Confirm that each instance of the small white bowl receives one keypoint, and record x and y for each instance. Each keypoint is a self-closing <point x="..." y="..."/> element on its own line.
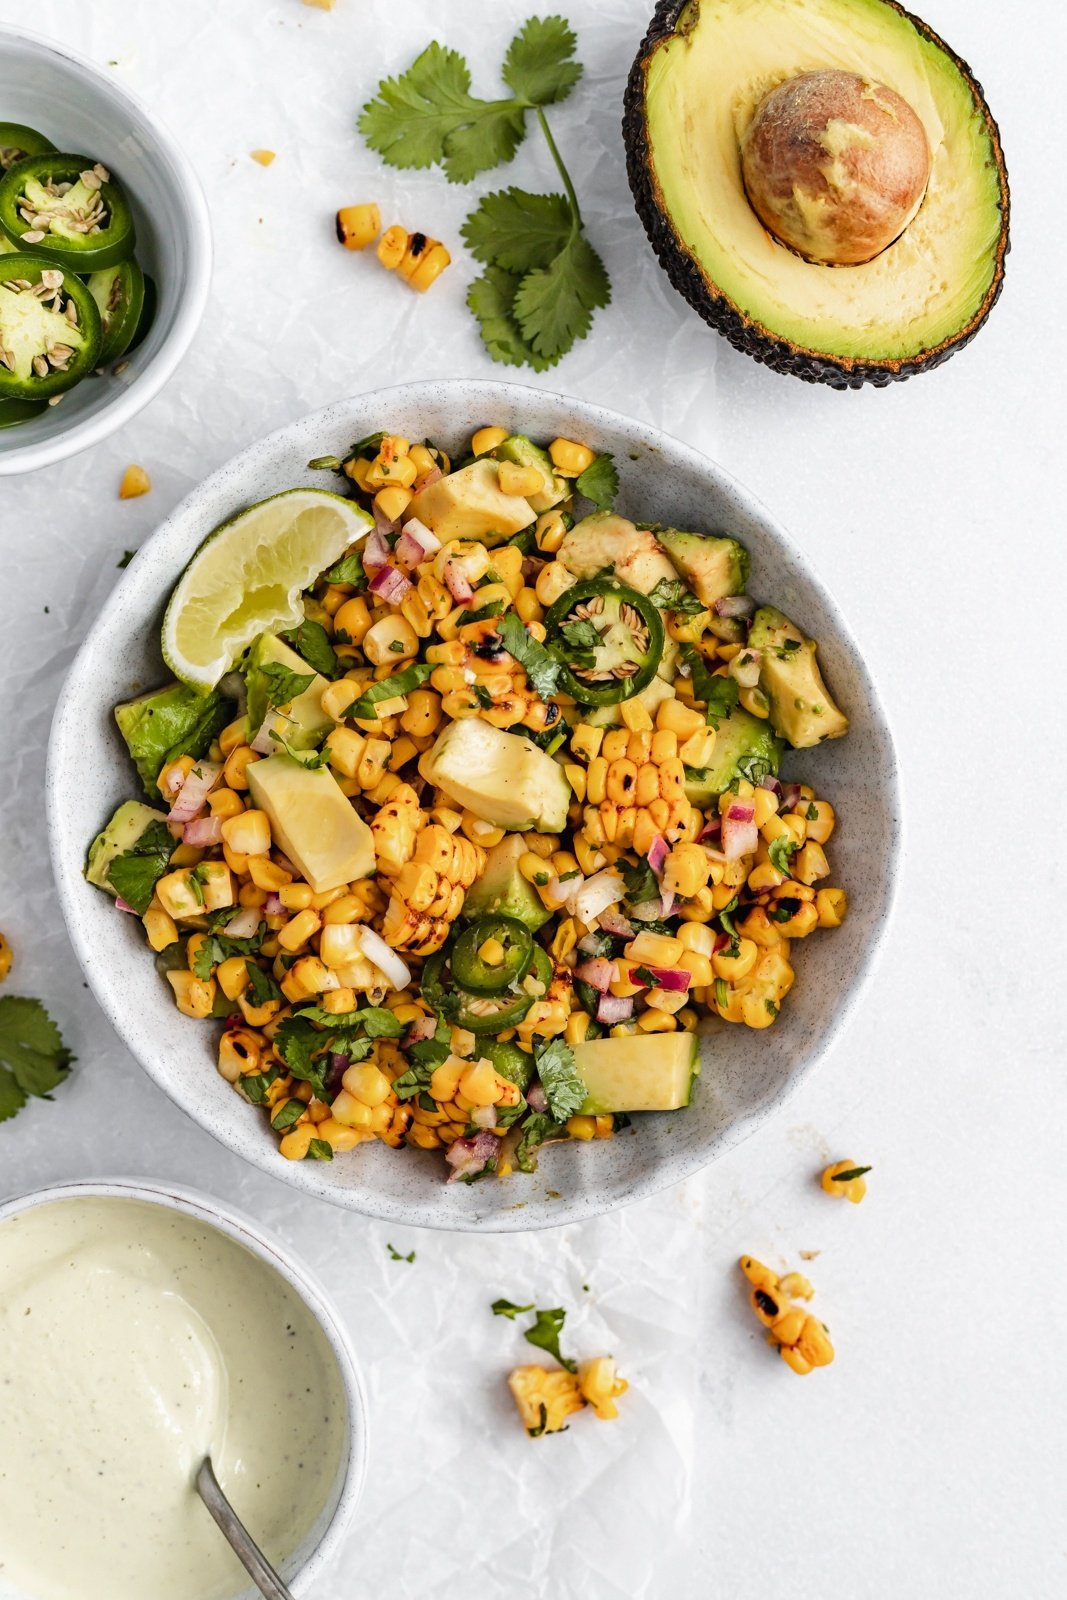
<point x="85" y="109"/>
<point x="746" y="1076"/>
<point x="320" y="1545"/>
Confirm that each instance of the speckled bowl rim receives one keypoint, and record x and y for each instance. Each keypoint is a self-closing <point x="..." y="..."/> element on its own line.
<point x="121" y="406"/>
<point x="240" y="1228"/>
<point x="569" y="1207"/>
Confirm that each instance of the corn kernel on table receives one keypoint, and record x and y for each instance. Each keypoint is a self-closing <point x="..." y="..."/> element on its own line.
<point x="930" y="1458"/>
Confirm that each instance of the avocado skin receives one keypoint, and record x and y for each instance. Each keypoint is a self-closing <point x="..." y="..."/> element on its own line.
<point x="746" y="335"/>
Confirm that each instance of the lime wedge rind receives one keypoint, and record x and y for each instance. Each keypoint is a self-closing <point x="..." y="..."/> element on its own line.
<point x="247" y="577"/>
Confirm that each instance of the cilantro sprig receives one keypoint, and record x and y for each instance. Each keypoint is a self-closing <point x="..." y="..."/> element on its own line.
<point x="543" y="280"/>
<point x="33" y="1058"/>
<point x="133" y="874"/>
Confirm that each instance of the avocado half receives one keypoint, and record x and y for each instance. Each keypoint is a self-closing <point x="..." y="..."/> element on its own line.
<point x="919" y="301"/>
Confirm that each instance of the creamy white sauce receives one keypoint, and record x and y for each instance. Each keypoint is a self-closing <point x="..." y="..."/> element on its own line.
<point x="134" y="1340"/>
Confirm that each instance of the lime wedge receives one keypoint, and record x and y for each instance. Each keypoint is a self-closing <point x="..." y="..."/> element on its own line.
<point x="247" y="577"/>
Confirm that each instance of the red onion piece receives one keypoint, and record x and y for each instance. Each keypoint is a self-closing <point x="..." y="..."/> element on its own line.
<point x="425" y="1028"/>
<point x="459" y="585"/>
<point x="192" y="796"/>
<point x="429" y="477"/>
<point x="614" y="1008"/>
<point x="710" y="830"/>
<point x="124" y="905"/>
<point x="383" y="524"/>
<point x="422" y="535"/>
<point x="409" y="552"/>
<point x="674" y="978"/>
<point x="375" y="552"/>
<point x="667" y="902"/>
<point x="536" y="1099"/>
<point x="203" y="832"/>
<point x="471" y="1155"/>
<point x="599" y="973"/>
<point x="273" y="906"/>
<point x="738" y="838"/>
<point x="771" y="783"/>
<point x="264" y="743"/>
<point x="741" y="811"/>
<point x="484" y="1116"/>
<point x="614" y="922"/>
<point x="658" y="852"/>
<point x="790" y="796"/>
<point x="390" y="584"/>
<point x="735" y="605"/>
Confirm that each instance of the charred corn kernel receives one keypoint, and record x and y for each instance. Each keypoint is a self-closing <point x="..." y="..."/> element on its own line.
<point x="831" y="905"/>
<point x="295" y="896"/>
<point x="353" y="619"/>
<point x="577" y="1027"/>
<point x="766" y="1301"/>
<point x="698" y="967"/>
<point x="545" y="1398"/>
<point x="758" y="1275"/>
<point x="232" y="976"/>
<point x="686" y="870"/>
<point x="596" y="780"/>
<point x="814" y="1343"/>
<point x="535" y="868"/>
<point x="302" y="928"/>
<point x="835" y="1181"/>
<point x="765" y="803"/>
<point x="514" y="479"/>
<point x="391" y="247"/>
<point x="479" y="1084"/>
<point x="392" y="642"/>
<point x="809" y="864"/>
<point x="656" y="1021"/>
<point x="673" y="717"/>
<point x="367" y="1083"/>
<point x="237" y="763"/>
<point x="193" y="996"/>
<point x="804" y="920"/>
<point x="621" y="781"/>
<point x="223" y="803"/>
<point x="734" y="967"/>
<point x="581" y="1127"/>
<point x="787" y="1328"/>
<point x="358" y="226"/>
<point x="240" y="1052"/>
<point x="666" y="1000"/>
<point x="570" y="458"/>
<point x="821" y="825"/>
<point x="393" y="501"/>
<point x="552" y="581"/>
<point x="158" y="925"/>
<point x="135" y="482"/>
<point x="487" y="439"/>
<point x="793" y="1358"/>
<point x="429" y="268"/>
<point x="655" y="949"/>
<point x="248" y="833"/>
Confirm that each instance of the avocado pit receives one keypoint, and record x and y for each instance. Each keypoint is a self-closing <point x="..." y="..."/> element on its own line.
<point x="835" y="166"/>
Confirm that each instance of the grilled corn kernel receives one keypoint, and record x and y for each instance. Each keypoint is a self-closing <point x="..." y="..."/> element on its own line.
<point x="393" y="501"/>
<point x="569" y="458"/>
<point x="391" y="247"/>
<point x="135" y="482"/>
<point x="832" y="907"/>
<point x="298" y="931"/>
<point x="514" y="479"/>
<point x="158" y="925"/>
<point x="358" y="226"/>
<point x="834" y="1181"/>
<point x="391" y="642"/>
<point x="487" y="439"/>
<point x="821" y="825"/>
<point x="193" y="996"/>
<point x="809" y="864"/>
<point x="224" y="803"/>
<point x="552" y="581"/>
<point x="248" y="833"/>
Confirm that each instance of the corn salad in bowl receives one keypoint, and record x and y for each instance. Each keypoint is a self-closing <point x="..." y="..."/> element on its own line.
<point x="463" y="856"/>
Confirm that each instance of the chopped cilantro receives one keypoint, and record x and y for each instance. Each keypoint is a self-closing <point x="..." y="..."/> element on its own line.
<point x="312" y="644"/>
<point x="349" y="569"/>
<point x="508" y="1308"/>
<point x="134" y="873"/>
<point x="545" y="1335"/>
<point x="396" y="1256"/>
<point x="671" y="594"/>
<point x="540" y="667"/>
<point x="847" y="1177"/>
<point x="535" y="1131"/>
<point x="33" y="1058"/>
<point x="564" y="1089"/>
<point x="288" y="1112"/>
<point x="319" y="1150"/>
<point x="812" y="813"/>
<point x="599" y="482"/>
<point x="779" y="850"/>
<point x="719" y="693"/>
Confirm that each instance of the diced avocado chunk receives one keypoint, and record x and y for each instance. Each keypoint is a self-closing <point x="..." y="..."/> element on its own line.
<point x="121" y="834"/>
<point x="607" y="540"/>
<point x="470" y="504"/>
<point x="166" y="723"/>
<point x="313" y="821"/>
<point x="745" y="747"/>
<point x="501" y="777"/>
<point x="712" y="565"/>
<point x="305" y="723"/>
<point x="501" y="888"/>
<point x="802" y="709"/>
<point x="524" y="453"/>
<point x="644" y="1072"/>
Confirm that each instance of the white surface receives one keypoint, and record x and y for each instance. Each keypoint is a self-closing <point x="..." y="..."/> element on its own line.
<point x="930" y="1459"/>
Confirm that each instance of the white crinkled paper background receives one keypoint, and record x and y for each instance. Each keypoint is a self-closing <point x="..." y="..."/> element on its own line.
<point x="930" y="1459"/>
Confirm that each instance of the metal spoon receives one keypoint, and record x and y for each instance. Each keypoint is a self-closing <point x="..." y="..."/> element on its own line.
<point x="243" y="1545"/>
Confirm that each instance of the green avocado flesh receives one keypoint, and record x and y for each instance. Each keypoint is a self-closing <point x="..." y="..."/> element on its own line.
<point x="166" y="723"/>
<point x="313" y="821"/>
<point x="702" y="82"/>
<point x="802" y="708"/>
<point x="713" y="566"/>
<point x="503" y="889"/>
<point x="645" y="1072"/>
<point x="745" y="747"/>
<point x="303" y="722"/>
<point x="121" y="834"/>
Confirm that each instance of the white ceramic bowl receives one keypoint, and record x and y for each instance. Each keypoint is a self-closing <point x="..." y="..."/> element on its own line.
<point x="746" y="1075"/>
<point x="84" y="108"/>
<point x="320" y="1545"/>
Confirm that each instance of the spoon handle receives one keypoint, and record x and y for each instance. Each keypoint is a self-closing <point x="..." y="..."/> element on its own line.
<point x="243" y="1545"/>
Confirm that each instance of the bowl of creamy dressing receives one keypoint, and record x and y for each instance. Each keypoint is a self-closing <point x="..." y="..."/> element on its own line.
<point x="141" y="1329"/>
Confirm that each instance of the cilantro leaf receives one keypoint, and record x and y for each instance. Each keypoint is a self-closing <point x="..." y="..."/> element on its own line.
<point x="491" y="299"/>
<point x="564" y="1089"/>
<point x="719" y="694"/>
<point x="283" y="686"/>
<point x="33" y="1057"/>
<point x="599" y="482"/>
<point x="754" y="768"/>
<point x="538" y="65"/>
<point x="554" y="305"/>
<point x="580" y="635"/>
<point x="319" y="1150"/>
<point x="400" y="683"/>
<point x="218" y="947"/>
<point x="134" y="873"/>
<point x="508" y="1308"/>
<point x="537" y="1128"/>
<point x="671" y="594"/>
<point x="518" y="231"/>
<point x="640" y="882"/>
<point x="349" y="569"/>
<point x="545" y="1335"/>
<point x="300" y="1045"/>
<point x="254" y="1085"/>
<point x="396" y="1256"/>
<point x="483" y="614"/>
<point x="722" y="993"/>
<point x="542" y="671"/>
<point x="425" y="1056"/>
<point x="312" y="643"/>
<point x="428" y="115"/>
<point x="288" y="1112"/>
<point x="261" y="986"/>
<point x="779" y="850"/>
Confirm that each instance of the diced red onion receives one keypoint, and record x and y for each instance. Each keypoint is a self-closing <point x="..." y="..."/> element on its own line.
<point x="614" y="1008"/>
<point x="124" y="905"/>
<point x="273" y="906"/>
<point x="459" y="585"/>
<point x="536" y="1099"/>
<point x="721" y="941"/>
<point x="264" y="743"/>
<point x="383" y="524"/>
<point x="425" y="1028"/>
<point x="745" y="668"/>
<point x="741" y="811"/>
<point x="192" y="796"/>
<point x="735" y="605"/>
<point x="430" y="477"/>
<point x="374" y="947"/>
<point x="471" y="1155"/>
<point x="599" y="973"/>
<point x="673" y="978"/>
<point x="390" y="584"/>
<point x="422" y="535"/>
<point x="244" y="924"/>
<point x="339" y="1065"/>
<point x="615" y="923"/>
<point x="710" y="830"/>
<point x="203" y="832"/>
<point x="409" y="552"/>
<point x="739" y="838"/>
<point x="790" y="796"/>
<point x="375" y="552"/>
<point x="667" y="901"/>
<point x="590" y="897"/>
<point x="658" y="851"/>
<point x="714" y="855"/>
<point x="484" y="1116"/>
<point x="770" y="782"/>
